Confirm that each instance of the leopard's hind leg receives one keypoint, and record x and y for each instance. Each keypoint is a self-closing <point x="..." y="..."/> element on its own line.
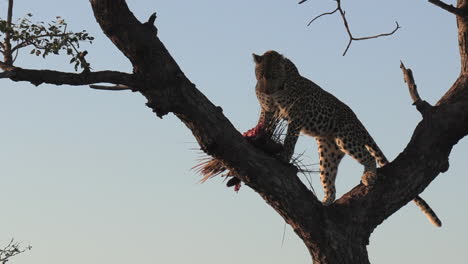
<point x="330" y="156"/>
<point x="350" y="144"/>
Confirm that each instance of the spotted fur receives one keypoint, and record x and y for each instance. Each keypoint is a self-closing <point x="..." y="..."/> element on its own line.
<point x="284" y="94"/>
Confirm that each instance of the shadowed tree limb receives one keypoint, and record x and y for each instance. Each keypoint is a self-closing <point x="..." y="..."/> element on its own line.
<point x="321" y="15"/>
<point x="38" y="77"/>
<point x="449" y="8"/>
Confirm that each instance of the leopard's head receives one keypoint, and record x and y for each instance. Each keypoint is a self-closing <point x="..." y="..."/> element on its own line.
<point x="269" y="71"/>
<point x="272" y="70"/>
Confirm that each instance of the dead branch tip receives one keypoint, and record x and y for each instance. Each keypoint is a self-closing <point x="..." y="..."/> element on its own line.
<point x="152" y="18"/>
<point x="422" y="106"/>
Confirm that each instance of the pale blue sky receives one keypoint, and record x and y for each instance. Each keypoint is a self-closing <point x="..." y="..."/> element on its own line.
<point x="95" y="177"/>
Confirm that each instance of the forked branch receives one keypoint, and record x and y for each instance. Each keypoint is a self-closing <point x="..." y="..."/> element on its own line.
<point x="346" y="24"/>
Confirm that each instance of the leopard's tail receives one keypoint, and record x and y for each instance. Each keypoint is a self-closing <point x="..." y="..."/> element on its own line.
<point x="423" y="206"/>
<point x="427" y="210"/>
<point x="375" y="151"/>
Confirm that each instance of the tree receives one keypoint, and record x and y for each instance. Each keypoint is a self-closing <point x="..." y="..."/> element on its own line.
<point x="337" y="234"/>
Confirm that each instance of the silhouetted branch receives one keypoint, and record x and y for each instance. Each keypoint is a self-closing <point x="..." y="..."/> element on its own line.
<point x="38" y="77"/>
<point x="422" y="106"/>
<point x="449" y="8"/>
<point x="348" y="30"/>
<point x="321" y="15"/>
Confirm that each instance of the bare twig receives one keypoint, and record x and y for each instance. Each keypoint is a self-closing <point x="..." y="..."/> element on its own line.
<point x="348" y="30"/>
<point x="321" y="15"/>
<point x="449" y="8"/>
<point x="409" y="80"/>
<point x="16" y="55"/>
<point x="380" y="35"/>
<point x="83" y="62"/>
<point x="421" y="105"/>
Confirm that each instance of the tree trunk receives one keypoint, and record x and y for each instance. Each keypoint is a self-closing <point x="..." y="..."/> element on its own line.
<point x="339" y="248"/>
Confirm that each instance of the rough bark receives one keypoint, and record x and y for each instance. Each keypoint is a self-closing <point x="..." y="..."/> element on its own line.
<point x="335" y="234"/>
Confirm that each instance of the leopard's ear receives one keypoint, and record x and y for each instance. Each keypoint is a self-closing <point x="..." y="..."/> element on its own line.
<point x="257" y="58"/>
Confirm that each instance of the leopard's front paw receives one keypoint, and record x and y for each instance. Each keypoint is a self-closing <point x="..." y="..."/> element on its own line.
<point x="327" y="200"/>
<point x="369" y="178"/>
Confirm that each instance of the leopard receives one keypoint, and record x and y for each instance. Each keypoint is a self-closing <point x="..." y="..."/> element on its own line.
<point x="284" y="94"/>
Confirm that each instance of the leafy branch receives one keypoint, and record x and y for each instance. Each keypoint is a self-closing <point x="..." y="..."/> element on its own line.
<point x="12" y="249"/>
<point x="45" y="39"/>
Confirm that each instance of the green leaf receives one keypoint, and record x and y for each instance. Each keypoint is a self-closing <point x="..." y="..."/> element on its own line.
<point x="48" y="38"/>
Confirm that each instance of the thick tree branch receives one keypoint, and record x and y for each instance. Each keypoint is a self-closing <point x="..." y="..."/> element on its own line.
<point x="459" y="91"/>
<point x="449" y="8"/>
<point x="38" y="77"/>
<point x="411" y="172"/>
